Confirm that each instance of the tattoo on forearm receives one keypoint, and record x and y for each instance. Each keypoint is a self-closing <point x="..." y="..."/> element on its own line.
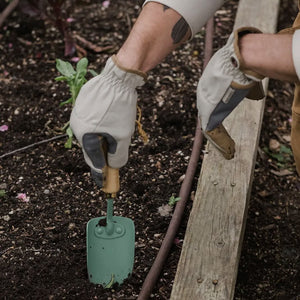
<point x="179" y="30"/>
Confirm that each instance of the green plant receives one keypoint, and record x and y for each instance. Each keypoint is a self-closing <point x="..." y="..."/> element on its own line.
<point x="110" y="284"/>
<point x="75" y="79"/>
<point x="2" y="193"/>
<point x="173" y="200"/>
<point x="282" y="156"/>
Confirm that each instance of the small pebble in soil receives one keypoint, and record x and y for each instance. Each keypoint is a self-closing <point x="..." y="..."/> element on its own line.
<point x="71" y="226"/>
<point x="193" y="195"/>
<point x="274" y="145"/>
<point x="6" y="218"/>
<point x="181" y="178"/>
<point x="3" y="186"/>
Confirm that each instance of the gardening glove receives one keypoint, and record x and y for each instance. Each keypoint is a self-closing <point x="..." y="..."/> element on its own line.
<point x="224" y="83"/>
<point x="106" y="107"/>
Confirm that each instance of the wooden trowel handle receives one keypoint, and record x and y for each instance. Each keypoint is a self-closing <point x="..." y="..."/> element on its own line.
<point x="111" y="182"/>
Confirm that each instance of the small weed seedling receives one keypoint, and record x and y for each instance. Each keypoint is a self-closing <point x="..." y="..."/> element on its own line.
<point x="173" y="200"/>
<point x="166" y="209"/>
<point x="75" y="80"/>
<point x="282" y="157"/>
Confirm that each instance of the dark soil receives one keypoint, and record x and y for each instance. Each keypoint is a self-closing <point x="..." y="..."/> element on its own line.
<point x="43" y="253"/>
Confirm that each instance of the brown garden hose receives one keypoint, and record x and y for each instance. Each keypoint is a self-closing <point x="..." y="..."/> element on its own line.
<point x="184" y="193"/>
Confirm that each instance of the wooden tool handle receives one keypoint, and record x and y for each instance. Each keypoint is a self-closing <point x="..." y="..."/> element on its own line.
<point x="111" y="182"/>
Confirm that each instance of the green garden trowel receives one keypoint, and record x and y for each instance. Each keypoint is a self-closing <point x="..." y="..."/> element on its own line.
<point x="110" y="240"/>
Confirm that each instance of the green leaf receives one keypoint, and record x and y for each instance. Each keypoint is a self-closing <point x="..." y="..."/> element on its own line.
<point x="2" y="193"/>
<point x="284" y="149"/>
<point x="61" y="78"/>
<point x="76" y="87"/>
<point x="80" y="75"/>
<point x="65" y="68"/>
<point x="74" y="92"/>
<point x="79" y="83"/>
<point x="279" y="157"/>
<point x="69" y="132"/>
<point x="68" y="143"/>
<point x="280" y="165"/>
<point x="112" y="280"/>
<point x="173" y="200"/>
<point x="66" y="102"/>
<point x="65" y="126"/>
<point x="94" y="73"/>
<point x="283" y="156"/>
<point x="81" y="66"/>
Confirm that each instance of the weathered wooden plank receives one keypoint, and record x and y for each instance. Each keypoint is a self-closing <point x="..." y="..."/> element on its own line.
<point x="211" y="250"/>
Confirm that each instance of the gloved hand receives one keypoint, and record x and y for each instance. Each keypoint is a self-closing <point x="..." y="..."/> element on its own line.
<point x="224" y="83"/>
<point x="106" y="106"/>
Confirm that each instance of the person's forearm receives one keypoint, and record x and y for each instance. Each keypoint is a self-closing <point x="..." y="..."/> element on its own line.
<point x="269" y="55"/>
<point x="157" y="31"/>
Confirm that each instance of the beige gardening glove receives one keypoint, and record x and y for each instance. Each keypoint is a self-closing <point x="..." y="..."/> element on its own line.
<point x="223" y="85"/>
<point x="106" y="106"/>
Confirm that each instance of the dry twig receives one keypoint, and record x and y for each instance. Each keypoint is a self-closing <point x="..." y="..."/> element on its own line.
<point x="92" y="46"/>
<point x="33" y="145"/>
<point x="8" y="10"/>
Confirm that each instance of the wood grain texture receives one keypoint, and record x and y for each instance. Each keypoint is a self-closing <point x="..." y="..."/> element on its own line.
<point x="211" y="250"/>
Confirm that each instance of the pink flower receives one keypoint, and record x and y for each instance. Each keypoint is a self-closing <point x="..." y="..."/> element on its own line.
<point x="23" y="197"/>
<point x="75" y="59"/>
<point x="3" y="128"/>
<point x="69" y="20"/>
<point x="106" y="3"/>
<point x="177" y="241"/>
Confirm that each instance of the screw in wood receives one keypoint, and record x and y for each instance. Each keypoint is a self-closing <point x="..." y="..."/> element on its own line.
<point x="215" y="282"/>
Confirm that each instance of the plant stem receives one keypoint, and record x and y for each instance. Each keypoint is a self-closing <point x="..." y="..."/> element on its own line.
<point x="33" y="145"/>
<point x="8" y="10"/>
